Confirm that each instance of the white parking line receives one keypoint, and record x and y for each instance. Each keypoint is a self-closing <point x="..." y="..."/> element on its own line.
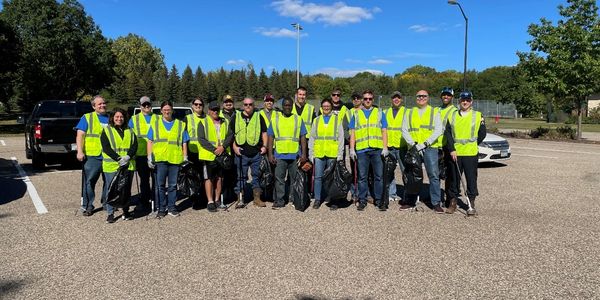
<point x="2" y="142"/>
<point x="555" y="150"/>
<point x="35" y="198"/>
<point x="538" y="156"/>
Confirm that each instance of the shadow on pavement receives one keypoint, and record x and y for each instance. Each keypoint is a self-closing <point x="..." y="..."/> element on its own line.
<point x="8" y="287"/>
<point x="311" y="297"/>
<point x="13" y="188"/>
<point x="493" y="164"/>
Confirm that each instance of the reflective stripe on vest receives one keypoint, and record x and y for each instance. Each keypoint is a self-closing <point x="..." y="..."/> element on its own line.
<point x="166" y="146"/>
<point x="288" y="142"/>
<point x="265" y="117"/>
<point x="307" y="116"/>
<point x="394" y="127"/>
<point x="464" y="132"/>
<point x="120" y="146"/>
<point x="419" y="130"/>
<point x="192" y="129"/>
<point x="368" y="132"/>
<point x="210" y="133"/>
<point x="92" y="145"/>
<point x="444" y="115"/>
<point x="326" y="137"/>
<point x="141" y="127"/>
<point x="247" y="132"/>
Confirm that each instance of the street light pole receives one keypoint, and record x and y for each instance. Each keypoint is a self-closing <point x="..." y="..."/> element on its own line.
<point x="454" y="2"/>
<point x="298" y="28"/>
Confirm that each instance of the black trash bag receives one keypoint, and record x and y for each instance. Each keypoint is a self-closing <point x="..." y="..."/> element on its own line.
<point x="389" y="167"/>
<point x="189" y="181"/>
<point x="266" y="177"/>
<point x="118" y="189"/>
<point x="299" y="189"/>
<point x="441" y="165"/>
<point x="336" y="181"/>
<point x="413" y="171"/>
<point x="225" y="161"/>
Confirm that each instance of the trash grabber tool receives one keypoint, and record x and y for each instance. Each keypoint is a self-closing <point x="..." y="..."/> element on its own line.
<point x="464" y="187"/>
<point x="83" y="189"/>
<point x="240" y="201"/>
<point x="355" y="198"/>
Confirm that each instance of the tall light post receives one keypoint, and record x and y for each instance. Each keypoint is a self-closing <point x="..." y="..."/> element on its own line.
<point x="454" y="2"/>
<point x="298" y="28"/>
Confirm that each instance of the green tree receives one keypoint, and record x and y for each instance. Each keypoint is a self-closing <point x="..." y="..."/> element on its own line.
<point x="200" y="88"/>
<point x="221" y="83"/>
<point x="263" y="83"/>
<point x="173" y="84"/>
<point x="565" y="58"/>
<point x="136" y="62"/>
<point x="63" y="55"/>
<point x="252" y="88"/>
<point x="161" y="83"/>
<point x="186" y="86"/>
<point x="9" y="51"/>
<point x="237" y="84"/>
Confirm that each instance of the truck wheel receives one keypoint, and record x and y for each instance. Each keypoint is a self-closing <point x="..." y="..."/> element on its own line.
<point x="37" y="160"/>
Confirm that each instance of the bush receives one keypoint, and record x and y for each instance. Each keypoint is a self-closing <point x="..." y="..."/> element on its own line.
<point x="560" y="133"/>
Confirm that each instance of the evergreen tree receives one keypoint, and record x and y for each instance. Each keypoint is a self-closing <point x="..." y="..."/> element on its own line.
<point x="200" y="88"/>
<point x="252" y="88"/>
<point x="161" y="82"/>
<point x="263" y="83"/>
<point x="173" y="84"/>
<point x="186" y="86"/>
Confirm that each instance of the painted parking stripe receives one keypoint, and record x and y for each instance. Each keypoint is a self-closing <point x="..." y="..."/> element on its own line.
<point x="2" y="142"/>
<point x="537" y="156"/>
<point x="556" y="150"/>
<point x="33" y="194"/>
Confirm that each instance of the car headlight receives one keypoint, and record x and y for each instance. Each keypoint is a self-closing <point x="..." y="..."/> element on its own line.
<point x="486" y="145"/>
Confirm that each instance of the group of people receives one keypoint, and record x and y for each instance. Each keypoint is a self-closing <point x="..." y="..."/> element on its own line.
<point x="155" y="146"/>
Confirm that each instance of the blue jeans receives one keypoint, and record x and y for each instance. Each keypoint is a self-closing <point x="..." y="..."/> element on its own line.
<point x="366" y="159"/>
<point x="430" y="159"/>
<point x="254" y="164"/>
<point x="398" y="154"/>
<point x="282" y="168"/>
<point x="167" y="173"/>
<point x="109" y="177"/>
<point x="320" y="165"/>
<point x="92" y="169"/>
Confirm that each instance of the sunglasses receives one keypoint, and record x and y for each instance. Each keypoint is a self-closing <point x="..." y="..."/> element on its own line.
<point x="198" y="104"/>
<point x="422" y="96"/>
<point x="147" y="104"/>
<point x="336" y="95"/>
<point x="215" y="109"/>
<point x="248" y="104"/>
<point x="466" y="99"/>
<point x="367" y="99"/>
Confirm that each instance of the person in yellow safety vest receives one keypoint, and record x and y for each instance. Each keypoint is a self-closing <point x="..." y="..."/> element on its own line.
<point x="356" y="105"/>
<point x="228" y="109"/>
<point x="368" y="142"/>
<point x="325" y="146"/>
<point x="167" y="150"/>
<point x="445" y="165"/>
<point x="340" y="110"/>
<point x="267" y="111"/>
<point x="286" y="142"/>
<point x="119" y="148"/>
<point x="249" y="145"/>
<point x="464" y="132"/>
<point x="396" y="143"/>
<point x="140" y="123"/>
<point x="421" y="128"/>
<point x="89" y="151"/>
<point x="215" y="139"/>
<point x="305" y="110"/>
<point x="192" y="120"/>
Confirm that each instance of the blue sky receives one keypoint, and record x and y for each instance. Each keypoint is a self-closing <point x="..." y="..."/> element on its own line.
<point x="339" y="38"/>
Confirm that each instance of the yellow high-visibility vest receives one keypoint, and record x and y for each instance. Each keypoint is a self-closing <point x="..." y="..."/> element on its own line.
<point x="192" y="121"/>
<point x="465" y="128"/>
<point x="307" y="116"/>
<point x="120" y="146"/>
<point x="326" y="138"/>
<point x="444" y="114"/>
<point x="287" y="132"/>
<point x="140" y="127"/>
<point x="368" y="132"/>
<point x="210" y="133"/>
<point x="166" y="145"/>
<point x="247" y="133"/>
<point x="421" y="127"/>
<point x="92" y="145"/>
<point x="394" y="127"/>
<point x="266" y="118"/>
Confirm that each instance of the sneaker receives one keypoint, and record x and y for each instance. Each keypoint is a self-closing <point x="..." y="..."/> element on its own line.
<point x="110" y="219"/>
<point x="174" y="213"/>
<point x="404" y="207"/>
<point x="317" y="204"/>
<point x="211" y="207"/>
<point x="87" y="213"/>
<point x="277" y="205"/>
<point x="382" y="208"/>
<point x="333" y="207"/>
<point x="127" y="216"/>
<point x="240" y="204"/>
<point x="471" y="212"/>
<point x="438" y="209"/>
<point x="361" y="206"/>
<point x="161" y="214"/>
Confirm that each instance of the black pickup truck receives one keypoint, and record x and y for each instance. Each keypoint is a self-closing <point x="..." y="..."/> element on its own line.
<point x="49" y="131"/>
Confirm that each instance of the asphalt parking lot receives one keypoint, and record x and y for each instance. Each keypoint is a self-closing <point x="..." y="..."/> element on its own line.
<point x="537" y="236"/>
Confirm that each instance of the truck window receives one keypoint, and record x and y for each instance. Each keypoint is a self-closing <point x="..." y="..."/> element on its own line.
<point x="63" y="109"/>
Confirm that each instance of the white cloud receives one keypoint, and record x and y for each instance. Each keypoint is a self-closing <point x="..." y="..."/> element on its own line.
<point x="336" y="14"/>
<point x="353" y="61"/>
<point x="278" y="32"/>
<point x="237" y="62"/>
<point x="380" y="61"/>
<point x="335" y="72"/>
<point x="422" y="28"/>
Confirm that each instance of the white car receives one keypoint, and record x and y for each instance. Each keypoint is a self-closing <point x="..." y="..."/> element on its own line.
<point x="494" y="149"/>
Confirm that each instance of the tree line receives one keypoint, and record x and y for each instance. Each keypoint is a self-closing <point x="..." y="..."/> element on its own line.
<point x="54" y="50"/>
